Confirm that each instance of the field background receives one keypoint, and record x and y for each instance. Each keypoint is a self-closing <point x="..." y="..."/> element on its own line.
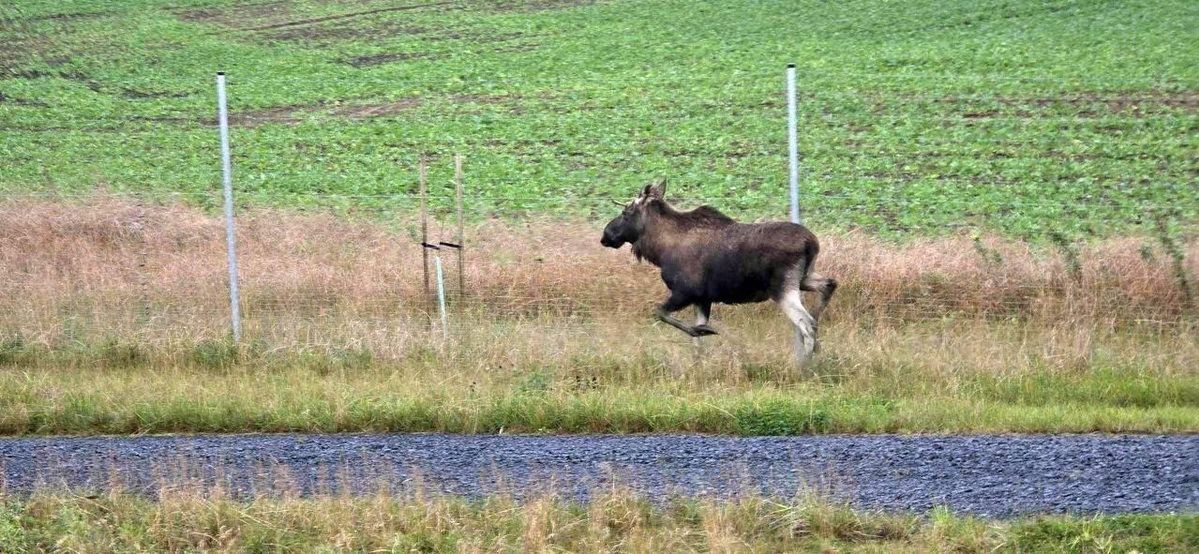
<point x="1069" y="117"/>
<point x="1006" y="190"/>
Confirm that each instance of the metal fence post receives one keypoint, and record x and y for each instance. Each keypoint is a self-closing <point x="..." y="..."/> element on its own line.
<point x="227" y="179"/>
<point x="793" y="167"/>
<point x="793" y="143"/>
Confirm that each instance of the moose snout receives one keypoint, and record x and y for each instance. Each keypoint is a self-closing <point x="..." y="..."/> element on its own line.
<point x="613" y="236"/>
<point x="611" y="240"/>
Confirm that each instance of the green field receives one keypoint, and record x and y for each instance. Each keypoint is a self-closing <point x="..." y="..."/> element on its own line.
<point x="1030" y="117"/>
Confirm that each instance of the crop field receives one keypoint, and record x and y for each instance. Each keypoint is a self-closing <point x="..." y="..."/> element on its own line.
<point x="1007" y="192"/>
<point x="925" y="117"/>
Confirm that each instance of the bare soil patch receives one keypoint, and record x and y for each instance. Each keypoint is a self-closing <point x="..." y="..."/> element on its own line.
<point x="328" y="33"/>
<point x="480" y="36"/>
<point x="484" y="98"/>
<point x="278" y="114"/>
<point x="517" y="48"/>
<point x="526" y="6"/>
<point x="68" y="16"/>
<point x="369" y="111"/>
<point x="289" y="115"/>
<point x="473" y="37"/>
<point x="18" y="101"/>
<point x="73" y="75"/>
<point x="20" y="51"/>
<point x="240" y="15"/>
<point x="1087" y="104"/>
<point x="295" y="113"/>
<point x="342" y="16"/>
<point x="1128" y="103"/>
<point x="138" y="94"/>
<point x="390" y="57"/>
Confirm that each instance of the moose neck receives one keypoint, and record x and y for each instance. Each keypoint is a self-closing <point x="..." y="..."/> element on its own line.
<point x="662" y="229"/>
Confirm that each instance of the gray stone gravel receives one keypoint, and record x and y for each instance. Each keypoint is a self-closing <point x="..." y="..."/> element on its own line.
<point x="992" y="476"/>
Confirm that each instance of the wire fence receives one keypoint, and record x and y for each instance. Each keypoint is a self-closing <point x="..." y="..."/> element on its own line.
<point x="87" y="269"/>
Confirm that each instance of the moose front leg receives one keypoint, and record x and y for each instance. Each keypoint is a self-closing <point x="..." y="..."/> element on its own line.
<point x="671" y="305"/>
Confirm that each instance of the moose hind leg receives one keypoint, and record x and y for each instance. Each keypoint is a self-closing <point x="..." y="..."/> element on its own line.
<point x="824" y="286"/>
<point x="703" y="310"/>
<point x="674" y="304"/>
<point x="791" y="302"/>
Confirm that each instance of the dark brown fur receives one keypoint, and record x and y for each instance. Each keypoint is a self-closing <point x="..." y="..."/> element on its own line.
<point x="706" y="257"/>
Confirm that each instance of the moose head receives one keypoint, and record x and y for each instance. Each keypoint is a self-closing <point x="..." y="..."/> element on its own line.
<point x="630" y="224"/>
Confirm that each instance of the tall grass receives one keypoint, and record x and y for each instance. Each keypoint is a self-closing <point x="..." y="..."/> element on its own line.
<point x="117" y="322"/>
<point x="109" y="258"/>
<point x="207" y="520"/>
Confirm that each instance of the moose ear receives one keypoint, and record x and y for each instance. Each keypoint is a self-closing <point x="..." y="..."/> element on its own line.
<point x="657" y="190"/>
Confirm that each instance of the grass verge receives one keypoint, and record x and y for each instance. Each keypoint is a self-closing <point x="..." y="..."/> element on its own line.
<point x="616" y="521"/>
<point x="118" y="388"/>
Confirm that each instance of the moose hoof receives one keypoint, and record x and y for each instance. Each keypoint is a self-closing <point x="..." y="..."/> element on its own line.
<point x="704" y="330"/>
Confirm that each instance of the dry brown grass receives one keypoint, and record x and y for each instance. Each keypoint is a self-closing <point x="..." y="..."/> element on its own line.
<point x="543" y="293"/>
<point x="109" y="267"/>
<point x="115" y="250"/>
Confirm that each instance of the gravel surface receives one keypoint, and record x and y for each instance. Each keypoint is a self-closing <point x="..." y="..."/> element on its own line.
<point x="994" y="476"/>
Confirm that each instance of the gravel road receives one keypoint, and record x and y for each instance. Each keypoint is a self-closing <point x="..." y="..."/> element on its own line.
<point x="993" y="476"/>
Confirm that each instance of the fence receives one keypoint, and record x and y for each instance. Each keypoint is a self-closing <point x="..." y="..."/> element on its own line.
<point x="89" y="268"/>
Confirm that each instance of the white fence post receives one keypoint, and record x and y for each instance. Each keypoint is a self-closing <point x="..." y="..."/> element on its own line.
<point x="793" y="143"/>
<point x="227" y="180"/>
<point x="793" y="163"/>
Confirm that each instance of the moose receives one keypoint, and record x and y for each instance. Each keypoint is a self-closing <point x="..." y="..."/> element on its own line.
<point x="706" y="257"/>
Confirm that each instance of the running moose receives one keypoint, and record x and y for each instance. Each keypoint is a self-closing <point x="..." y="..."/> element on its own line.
<point x="707" y="257"/>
